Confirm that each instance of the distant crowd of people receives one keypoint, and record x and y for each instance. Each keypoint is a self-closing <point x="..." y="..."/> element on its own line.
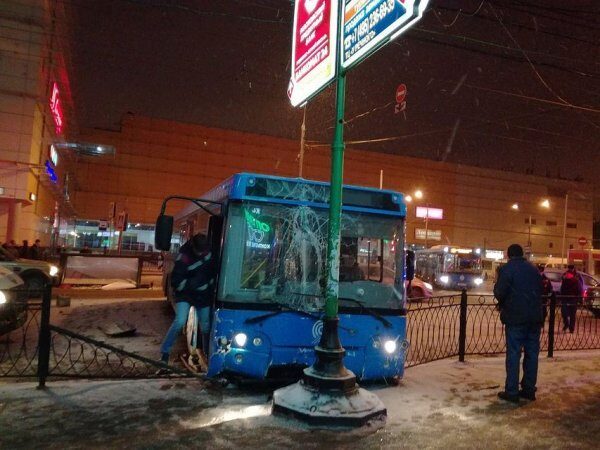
<point x="35" y="251"/>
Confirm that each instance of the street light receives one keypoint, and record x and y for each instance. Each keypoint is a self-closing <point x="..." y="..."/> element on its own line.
<point x="545" y="203"/>
<point x="418" y="194"/>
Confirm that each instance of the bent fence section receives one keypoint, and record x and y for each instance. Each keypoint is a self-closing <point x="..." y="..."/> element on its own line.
<point x="441" y="327"/>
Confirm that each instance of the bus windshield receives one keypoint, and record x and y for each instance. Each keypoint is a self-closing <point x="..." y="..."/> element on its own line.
<point x="462" y="262"/>
<point x="276" y="253"/>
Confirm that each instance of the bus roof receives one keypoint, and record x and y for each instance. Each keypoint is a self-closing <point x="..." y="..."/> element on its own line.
<point x="299" y="191"/>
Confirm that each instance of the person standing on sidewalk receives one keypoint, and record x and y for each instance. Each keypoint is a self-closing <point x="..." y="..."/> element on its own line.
<point x="519" y="294"/>
<point x="571" y="290"/>
<point x="192" y="280"/>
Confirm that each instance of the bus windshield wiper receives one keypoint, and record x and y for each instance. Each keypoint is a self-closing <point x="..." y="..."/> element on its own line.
<point x="282" y="308"/>
<point x="375" y="314"/>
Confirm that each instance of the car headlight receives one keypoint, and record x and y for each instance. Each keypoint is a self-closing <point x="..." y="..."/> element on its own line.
<point x="444" y="279"/>
<point x="428" y="286"/>
<point x="240" y="339"/>
<point x="390" y="346"/>
<point x="53" y="271"/>
<point x="478" y="281"/>
<point x="2" y="298"/>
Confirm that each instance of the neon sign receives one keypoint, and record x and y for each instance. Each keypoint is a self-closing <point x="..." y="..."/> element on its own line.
<point x="56" y="109"/>
<point x="51" y="173"/>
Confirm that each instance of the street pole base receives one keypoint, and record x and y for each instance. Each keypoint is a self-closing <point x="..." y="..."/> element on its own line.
<point x="330" y="407"/>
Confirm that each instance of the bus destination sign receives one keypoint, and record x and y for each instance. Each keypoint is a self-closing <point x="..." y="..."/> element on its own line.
<point x="367" y="25"/>
<point x="314" y="43"/>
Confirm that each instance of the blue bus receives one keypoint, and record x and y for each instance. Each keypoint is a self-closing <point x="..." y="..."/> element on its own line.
<point x="450" y="267"/>
<point x="270" y="234"/>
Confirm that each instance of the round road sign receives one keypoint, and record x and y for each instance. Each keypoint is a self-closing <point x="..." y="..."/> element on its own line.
<point x="400" y="93"/>
<point x="582" y="241"/>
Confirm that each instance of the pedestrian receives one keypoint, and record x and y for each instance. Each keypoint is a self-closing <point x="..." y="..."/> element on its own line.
<point x="24" y="250"/>
<point x="35" y="252"/>
<point x="192" y="280"/>
<point x="571" y="290"/>
<point x="519" y="294"/>
<point x="547" y="291"/>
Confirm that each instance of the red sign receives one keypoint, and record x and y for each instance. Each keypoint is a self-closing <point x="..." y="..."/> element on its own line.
<point x="56" y="109"/>
<point x="582" y="241"/>
<point x="313" y="48"/>
<point x="400" y="93"/>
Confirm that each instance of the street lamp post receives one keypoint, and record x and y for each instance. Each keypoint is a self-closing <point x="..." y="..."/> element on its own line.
<point x="562" y="253"/>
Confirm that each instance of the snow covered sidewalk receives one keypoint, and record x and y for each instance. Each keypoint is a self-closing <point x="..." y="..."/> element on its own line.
<point x="445" y="404"/>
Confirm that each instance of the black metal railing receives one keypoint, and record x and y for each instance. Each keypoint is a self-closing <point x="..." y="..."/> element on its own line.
<point x="469" y="324"/>
<point x="438" y="328"/>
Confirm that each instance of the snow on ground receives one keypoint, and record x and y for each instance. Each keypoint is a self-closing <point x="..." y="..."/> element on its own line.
<point x="444" y="404"/>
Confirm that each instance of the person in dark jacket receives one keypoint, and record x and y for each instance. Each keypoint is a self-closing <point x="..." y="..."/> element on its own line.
<point x="192" y="280"/>
<point x="571" y="290"/>
<point x="547" y="291"/>
<point x="519" y="294"/>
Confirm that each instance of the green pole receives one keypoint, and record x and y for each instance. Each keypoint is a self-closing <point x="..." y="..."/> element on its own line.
<point x="335" y="203"/>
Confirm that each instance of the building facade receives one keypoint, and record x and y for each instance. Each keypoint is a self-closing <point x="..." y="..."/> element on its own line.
<point x="35" y="118"/>
<point x="468" y="206"/>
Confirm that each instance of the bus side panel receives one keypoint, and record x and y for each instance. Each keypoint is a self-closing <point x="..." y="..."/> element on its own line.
<point x="288" y="339"/>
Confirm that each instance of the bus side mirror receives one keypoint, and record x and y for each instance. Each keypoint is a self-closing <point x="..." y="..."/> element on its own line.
<point x="163" y="232"/>
<point x="410" y="265"/>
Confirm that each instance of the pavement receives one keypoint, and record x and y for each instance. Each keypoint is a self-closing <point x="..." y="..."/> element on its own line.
<point x="444" y="404"/>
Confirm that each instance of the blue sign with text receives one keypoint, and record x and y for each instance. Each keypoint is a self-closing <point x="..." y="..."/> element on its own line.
<point x="366" y="25"/>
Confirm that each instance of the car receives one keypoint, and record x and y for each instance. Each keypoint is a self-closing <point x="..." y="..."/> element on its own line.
<point x="592" y="300"/>
<point x="35" y="274"/>
<point x="555" y="277"/>
<point x="13" y="301"/>
<point x="419" y="290"/>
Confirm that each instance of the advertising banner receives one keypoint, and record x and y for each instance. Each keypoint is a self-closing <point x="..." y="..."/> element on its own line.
<point x="432" y="235"/>
<point x="314" y="44"/>
<point x="366" y="25"/>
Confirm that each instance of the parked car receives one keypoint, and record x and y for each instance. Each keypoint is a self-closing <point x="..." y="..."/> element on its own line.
<point x="419" y="290"/>
<point x="555" y="277"/>
<point x="34" y="273"/>
<point x="592" y="300"/>
<point x="13" y="301"/>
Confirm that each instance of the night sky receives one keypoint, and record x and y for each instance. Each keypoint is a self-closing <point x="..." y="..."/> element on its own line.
<point x="505" y="84"/>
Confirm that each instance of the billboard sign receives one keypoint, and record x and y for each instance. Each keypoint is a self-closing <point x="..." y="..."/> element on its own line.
<point x="432" y="235"/>
<point x="314" y="44"/>
<point x="367" y="25"/>
<point x="430" y="213"/>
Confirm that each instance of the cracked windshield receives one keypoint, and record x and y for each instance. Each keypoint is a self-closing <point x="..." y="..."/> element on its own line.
<point x="277" y="254"/>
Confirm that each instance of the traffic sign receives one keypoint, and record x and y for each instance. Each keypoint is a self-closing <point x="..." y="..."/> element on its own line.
<point x="314" y="47"/>
<point x="400" y="93"/>
<point x="367" y="25"/>
<point x="582" y="241"/>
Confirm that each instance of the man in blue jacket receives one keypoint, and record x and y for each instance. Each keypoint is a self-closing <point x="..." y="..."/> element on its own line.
<point x="192" y="280"/>
<point x="519" y="294"/>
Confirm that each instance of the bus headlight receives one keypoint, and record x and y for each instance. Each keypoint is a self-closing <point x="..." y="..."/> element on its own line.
<point x="390" y="346"/>
<point x="444" y="279"/>
<point x="240" y="339"/>
<point x="478" y="281"/>
<point x="2" y="298"/>
<point x="53" y="271"/>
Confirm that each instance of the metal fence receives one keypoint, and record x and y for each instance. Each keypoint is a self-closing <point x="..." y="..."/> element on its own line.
<point x="441" y="327"/>
<point x="461" y="325"/>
